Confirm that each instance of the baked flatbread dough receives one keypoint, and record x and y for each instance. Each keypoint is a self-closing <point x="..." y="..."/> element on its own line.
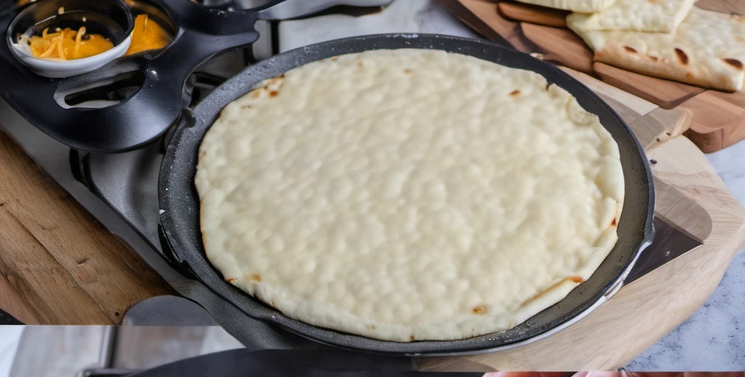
<point x="708" y="49"/>
<point x="583" y="6"/>
<point x="408" y="194"/>
<point x="638" y="15"/>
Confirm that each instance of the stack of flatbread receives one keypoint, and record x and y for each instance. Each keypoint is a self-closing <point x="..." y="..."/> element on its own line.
<point x="669" y="39"/>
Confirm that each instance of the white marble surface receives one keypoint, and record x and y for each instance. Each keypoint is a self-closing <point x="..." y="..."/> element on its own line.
<point x="714" y="337"/>
<point x="10" y="336"/>
<point x="408" y="16"/>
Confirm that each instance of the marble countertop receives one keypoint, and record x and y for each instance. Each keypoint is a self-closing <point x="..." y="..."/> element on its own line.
<point x="713" y="339"/>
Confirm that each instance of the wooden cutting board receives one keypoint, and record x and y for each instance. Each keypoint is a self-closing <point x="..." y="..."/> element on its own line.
<point x="58" y="265"/>
<point x="718" y="118"/>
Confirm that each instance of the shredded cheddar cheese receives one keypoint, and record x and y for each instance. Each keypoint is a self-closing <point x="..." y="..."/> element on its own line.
<point x="71" y="44"/>
<point x="68" y="44"/>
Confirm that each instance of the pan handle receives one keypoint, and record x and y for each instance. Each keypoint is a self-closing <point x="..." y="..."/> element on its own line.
<point x="289" y="9"/>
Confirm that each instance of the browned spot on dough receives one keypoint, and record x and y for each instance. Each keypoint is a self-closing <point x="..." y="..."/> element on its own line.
<point x="630" y="49"/>
<point x="371" y="327"/>
<point x="681" y="56"/>
<point x="654" y="58"/>
<point x="255" y="94"/>
<point x="481" y="309"/>
<point x="231" y="280"/>
<point x="550" y="289"/>
<point x="256" y="277"/>
<point x="412" y="338"/>
<point x="407" y="71"/>
<point x="613" y="222"/>
<point x="360" y="64"/>
<point x="733" y="62"/>
<point x="335" y="58"/>
<point x="515" y="93"/>
<point x="272" y="303"/>
<point x="738" y="17"/>
<point x="246" y="107"/>
<point x="273" y="93"/>
<point x="690" y="75"/>
<point x="202" y="154"/>
<point x="576" y="279"/>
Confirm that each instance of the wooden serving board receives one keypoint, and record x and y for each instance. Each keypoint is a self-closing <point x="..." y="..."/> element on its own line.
<point x="718" y="117"/>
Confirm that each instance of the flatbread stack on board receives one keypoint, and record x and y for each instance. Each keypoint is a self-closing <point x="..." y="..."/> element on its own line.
<point x="635" y="15"/>
<point x="669" y="39"/>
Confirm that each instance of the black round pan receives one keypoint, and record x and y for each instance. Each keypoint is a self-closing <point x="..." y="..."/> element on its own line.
<point x="179" y="202"/>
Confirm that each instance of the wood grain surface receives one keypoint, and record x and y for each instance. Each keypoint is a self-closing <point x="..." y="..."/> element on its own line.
<point x="495" y="27"/>
<point x="533" y="14"/>
<point x="668" y="94"/>
<point x="58" y="265"/>
<point x="717" y="122"/>
<point x="560" y="46"/>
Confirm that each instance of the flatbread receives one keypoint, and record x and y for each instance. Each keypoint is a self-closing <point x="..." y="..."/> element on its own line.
<point x="408" y="195"/>
<point x="583" y="6"/>
<point x="636" y="15"/>
<point x="708" y="49"/>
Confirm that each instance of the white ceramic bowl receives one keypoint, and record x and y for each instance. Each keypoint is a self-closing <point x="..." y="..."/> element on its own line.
<point x="111" y="16"/>
<point x="56" y="68"/>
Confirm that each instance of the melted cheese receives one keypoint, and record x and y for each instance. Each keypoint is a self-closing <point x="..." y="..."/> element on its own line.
<point x="147" y="35"/>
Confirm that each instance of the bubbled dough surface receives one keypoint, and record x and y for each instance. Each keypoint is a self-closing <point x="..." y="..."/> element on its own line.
<point x="661" y="16"/>
<point x="408" y="195"/>
<point x="584" y="6"/>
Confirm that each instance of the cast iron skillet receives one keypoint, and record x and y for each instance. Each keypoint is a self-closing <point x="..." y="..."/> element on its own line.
<point x="179" y="202"/>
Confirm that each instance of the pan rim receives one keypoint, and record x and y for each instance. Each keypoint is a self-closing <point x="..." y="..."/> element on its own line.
<point x="180" y="159"/>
